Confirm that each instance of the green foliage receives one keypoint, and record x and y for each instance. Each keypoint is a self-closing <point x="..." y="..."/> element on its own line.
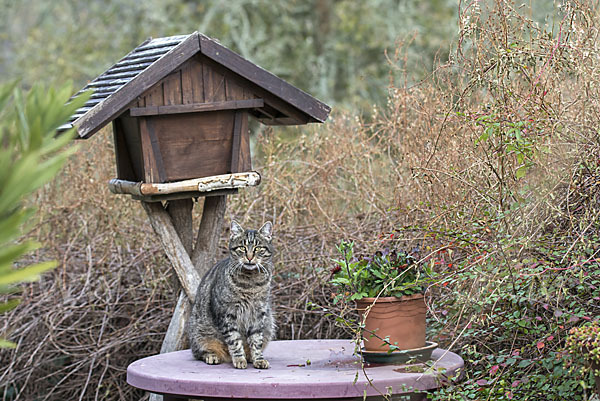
<point x="512" y="326"/>
<point x="335" y="50"/>
<point x="512" y="142"/>
<point x="387" y="273"/>
<point x="583" y="345"/>
<point x="31" y="154"/>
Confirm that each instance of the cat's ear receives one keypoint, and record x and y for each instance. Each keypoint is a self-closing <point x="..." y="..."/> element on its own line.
<point x="236" y="229"/>
<point x="266" y="230"/>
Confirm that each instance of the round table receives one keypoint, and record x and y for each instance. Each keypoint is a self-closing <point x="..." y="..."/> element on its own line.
<point x="300" y="369"/>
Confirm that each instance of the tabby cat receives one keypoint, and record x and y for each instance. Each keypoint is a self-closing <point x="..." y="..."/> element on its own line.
<point x="231" y="319"/>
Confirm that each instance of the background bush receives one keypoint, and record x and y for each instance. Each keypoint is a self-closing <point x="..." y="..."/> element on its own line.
<point x="488" y="167"/>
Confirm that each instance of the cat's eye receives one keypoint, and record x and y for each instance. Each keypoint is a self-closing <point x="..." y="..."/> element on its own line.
<point x="241" y="249"/>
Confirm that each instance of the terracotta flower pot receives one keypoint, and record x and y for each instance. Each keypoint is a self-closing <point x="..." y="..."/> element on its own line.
<point x="400" y="319"/>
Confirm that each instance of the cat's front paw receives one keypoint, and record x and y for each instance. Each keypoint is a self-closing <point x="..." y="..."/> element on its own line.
<point x="240" y="363"/>
<point x="211" y="359"/>
<point x="261" y="364"/>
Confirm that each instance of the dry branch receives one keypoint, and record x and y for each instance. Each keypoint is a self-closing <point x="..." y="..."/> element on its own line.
<point x="205" y="184"/>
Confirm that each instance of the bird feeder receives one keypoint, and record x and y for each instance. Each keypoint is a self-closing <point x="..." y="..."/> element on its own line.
<point x="179" y="108"/>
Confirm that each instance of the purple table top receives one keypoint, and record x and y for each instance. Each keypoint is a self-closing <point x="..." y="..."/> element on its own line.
<point x="332" y="373"/>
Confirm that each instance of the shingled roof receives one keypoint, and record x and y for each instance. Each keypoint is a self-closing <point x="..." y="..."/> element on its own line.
<point x="130" y="77"/>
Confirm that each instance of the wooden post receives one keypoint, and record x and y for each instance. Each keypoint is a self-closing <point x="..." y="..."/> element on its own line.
<point x="205" y="252"/>
<point x="181" y="215"/>
<point x="174" y="229"/>
<point x="173" y="247"/>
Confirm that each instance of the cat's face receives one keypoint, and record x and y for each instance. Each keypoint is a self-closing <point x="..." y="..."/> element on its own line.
<point x="251" y="249"/>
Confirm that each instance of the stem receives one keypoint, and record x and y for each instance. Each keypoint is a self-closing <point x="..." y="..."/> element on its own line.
<point x="347" y="266"/>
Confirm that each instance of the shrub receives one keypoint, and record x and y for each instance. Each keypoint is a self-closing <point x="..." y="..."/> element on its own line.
<point x="30" y="155"/>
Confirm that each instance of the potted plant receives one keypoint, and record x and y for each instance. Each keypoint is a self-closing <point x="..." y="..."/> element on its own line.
<point x="584" y="342"/>
<point x="388" y="288"/>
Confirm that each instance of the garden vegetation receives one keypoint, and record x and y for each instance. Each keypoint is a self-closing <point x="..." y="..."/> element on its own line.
<point x="486" y="170"/>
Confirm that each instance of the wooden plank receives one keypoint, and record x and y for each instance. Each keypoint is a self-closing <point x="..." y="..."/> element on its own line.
<point x="156" y="151"/>
<point x="109" y="82"/>
<point x="154" y="96"/>
<point x="161" y="42"/>
<point x="93" y="102"/>
<point x="92" y="121"/>
<point x="107" y="90"/>
<point x="173" y="247"/>
<point x="172" y="88"/>
<point x="272" y="102"/>
<point x="158" y="51"/>
<point x="279" y="121"/>
<point x="236" y="141"/>
<point x="137" y="60"/>
<point x="131" y="129"/>
<point x="196" y="107"/>
<point x="120" y="74"/>
<point x="124" y="165"/>
<point x="149" y="162"/>
<point x="133" y="67"/>
<point x="234" y="90"/>
<point x="99" y="95"/>
<point x="214" y="84"/>
<point x="209" y="232"/>
<point x="195" y="145"/>
<point x="317" y="110"/>
<point x="245" y="158"/>
<point x="192" y="84"/>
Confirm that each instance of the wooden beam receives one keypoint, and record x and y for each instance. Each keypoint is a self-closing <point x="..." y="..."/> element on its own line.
<point x="155" y="146"/>
<point x="236" y="142"/>
<point x="205" y="251"/>
<point x="173" y="247"/>
<point x="181" y="215"/>
<point x="180" y="211"/>
<point x="196" y="107"/>
<point x="184" y="195"/>
<point x="176" y="338"/>
<point x="149" y="145"/>
<point x="204" y="184"/>
<point x="124" y="164"/>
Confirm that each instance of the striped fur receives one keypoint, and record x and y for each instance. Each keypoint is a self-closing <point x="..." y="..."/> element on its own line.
<point x="232" y="319"/>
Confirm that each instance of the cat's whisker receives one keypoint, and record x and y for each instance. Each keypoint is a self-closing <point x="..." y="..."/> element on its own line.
<point x="262" y="268"/>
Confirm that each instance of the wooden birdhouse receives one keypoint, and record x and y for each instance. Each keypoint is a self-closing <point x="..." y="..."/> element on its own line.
<point x="180" y="107"/>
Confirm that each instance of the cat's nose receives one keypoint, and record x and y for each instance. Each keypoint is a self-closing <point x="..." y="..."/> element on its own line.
<point x="249" y="256"/>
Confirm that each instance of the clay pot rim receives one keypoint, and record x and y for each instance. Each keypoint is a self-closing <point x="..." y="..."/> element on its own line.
<point x="390" y="299"/>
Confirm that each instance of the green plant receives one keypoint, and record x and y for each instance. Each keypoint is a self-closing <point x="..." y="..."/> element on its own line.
<point x="31" y="154"/>
<point x="386" y="273"/>
<point x="584" y="342"/>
